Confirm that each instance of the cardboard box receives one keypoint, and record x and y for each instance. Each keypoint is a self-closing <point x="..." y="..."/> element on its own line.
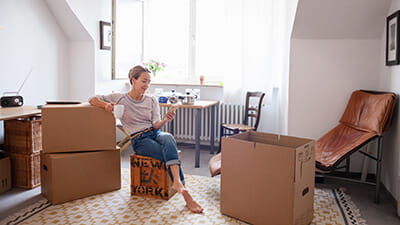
<point x="81" y="127"/>
<point x="268" y="179"/>
<point x="5" y="174"/>
<point x="70" y="176"/>
<point x="149" y="178"/>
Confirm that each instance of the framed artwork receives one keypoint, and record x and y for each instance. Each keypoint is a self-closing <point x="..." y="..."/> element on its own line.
<point x="392" y="39"/>
<point x="105" y="35"/>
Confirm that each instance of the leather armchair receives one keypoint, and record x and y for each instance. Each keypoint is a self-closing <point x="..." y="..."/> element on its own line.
<point x="367" y="115"/>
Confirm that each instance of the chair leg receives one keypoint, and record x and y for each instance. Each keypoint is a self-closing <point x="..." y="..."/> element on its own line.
<point x="348" y="167"/>
<point x="378" y="169"/>
<point x="221" y="134"/>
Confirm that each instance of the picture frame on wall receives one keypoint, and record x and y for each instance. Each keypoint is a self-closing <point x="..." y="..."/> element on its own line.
<point x="392" y="39"/>
<point x="105" y="35"/>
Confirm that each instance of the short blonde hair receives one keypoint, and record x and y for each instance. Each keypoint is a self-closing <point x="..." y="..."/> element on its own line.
<point x="135" y="72"/>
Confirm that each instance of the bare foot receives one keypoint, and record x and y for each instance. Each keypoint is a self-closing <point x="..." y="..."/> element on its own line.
<point x="178" y="186"/>
<point x="191" y="204"/>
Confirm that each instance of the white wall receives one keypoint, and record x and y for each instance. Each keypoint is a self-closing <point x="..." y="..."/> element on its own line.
<point x="90" y="66"/>
<point x="31" y="38"/>
<point x="81" y="50"/>
<point x="82" y="70"/>
<point x="323" y="73"/>
<point x="390" y="80"/>
<point x="90" y="12"/>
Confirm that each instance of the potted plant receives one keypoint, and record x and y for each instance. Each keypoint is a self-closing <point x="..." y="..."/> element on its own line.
<point x="154" y="66"/>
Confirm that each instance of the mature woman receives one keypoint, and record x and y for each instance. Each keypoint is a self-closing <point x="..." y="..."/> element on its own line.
<point x="141" y="118"/>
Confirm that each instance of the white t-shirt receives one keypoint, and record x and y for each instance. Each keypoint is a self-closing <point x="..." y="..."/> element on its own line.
<point x="138" y="115"/>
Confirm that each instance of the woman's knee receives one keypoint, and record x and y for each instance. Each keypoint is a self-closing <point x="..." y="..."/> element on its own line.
<point x="165" y="137"/>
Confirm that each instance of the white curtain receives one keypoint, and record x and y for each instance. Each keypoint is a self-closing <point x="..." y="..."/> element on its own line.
<point x="166" y="36"/>
<point x="244" y="43"/>
<point x="248" y="48"/>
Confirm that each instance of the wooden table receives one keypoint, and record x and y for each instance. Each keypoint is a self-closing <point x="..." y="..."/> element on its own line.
<point x="197" y="107"/>
<point x="9" y="113"/>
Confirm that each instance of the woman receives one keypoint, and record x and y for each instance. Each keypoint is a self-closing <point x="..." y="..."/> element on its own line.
<point x="142" y="116"/>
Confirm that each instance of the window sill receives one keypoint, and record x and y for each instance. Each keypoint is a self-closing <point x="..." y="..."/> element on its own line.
<point x="185" y="84"/>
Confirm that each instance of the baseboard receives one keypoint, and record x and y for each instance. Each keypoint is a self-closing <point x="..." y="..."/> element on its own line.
<point x="202" y="143"/>
<point x="319" y="178"/>
<point x="351" y="175"/>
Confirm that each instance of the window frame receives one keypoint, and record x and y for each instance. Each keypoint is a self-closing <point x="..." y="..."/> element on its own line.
<point x="190" y="77"/>
<point x="113" y="33"/>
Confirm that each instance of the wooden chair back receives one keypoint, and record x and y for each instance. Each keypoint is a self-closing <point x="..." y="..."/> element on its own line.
<point x="253" y="112"/>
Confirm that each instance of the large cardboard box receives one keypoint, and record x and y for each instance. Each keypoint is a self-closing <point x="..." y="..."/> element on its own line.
<point x="70" y="176"/>
<point x="268" y="179"/>
<point x="5" y="174"/>
<point x="69" y="128"/>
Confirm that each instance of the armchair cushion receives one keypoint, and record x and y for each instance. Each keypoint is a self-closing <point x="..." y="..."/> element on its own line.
<point x="214" y="165"/>
<point x="338" y="142"/>
<point x="369" y="112"/>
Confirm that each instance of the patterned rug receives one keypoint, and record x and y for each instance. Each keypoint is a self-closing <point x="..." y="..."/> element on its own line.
<point x="119" y="207"/>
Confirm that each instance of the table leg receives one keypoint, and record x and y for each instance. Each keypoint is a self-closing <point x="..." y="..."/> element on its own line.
<point x="171" y="128"/>
<point x="197" y="130"/>
<point x="212" y="129"/>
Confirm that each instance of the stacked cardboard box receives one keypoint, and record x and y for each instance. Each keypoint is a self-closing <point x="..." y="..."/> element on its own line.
<point x="268" y="178"/>
<point x="23" y="143"/>
<point x="79" y="156"/>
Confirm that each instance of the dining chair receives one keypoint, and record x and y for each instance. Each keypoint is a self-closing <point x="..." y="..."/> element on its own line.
<point x="251" y="118"/>
<point x="251" y="121"/>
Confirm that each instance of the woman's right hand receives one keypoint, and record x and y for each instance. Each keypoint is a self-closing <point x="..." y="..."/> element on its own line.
<point x="109" y="107"/>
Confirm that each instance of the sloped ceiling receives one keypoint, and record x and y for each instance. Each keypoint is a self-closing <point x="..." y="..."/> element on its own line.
<point x="340" y="19"/>
<point x="68" y="21"/>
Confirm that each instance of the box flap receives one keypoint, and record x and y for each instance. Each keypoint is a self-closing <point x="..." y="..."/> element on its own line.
<point x="272" y="139"/>
<point x="60" y="106"/>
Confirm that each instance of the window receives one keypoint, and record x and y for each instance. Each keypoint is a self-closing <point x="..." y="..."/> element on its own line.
<point x="128" y="30"/>
<point x="227" y="41"/>
<point x="152" y="29"/>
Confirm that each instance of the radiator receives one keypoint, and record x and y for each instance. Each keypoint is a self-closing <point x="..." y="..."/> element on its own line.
<point x="184" y="121"/>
